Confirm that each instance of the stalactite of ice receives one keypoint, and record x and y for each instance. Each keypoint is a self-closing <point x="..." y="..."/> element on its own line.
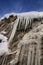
<point x="27" y="23"/>
<point x="22" y="22"/>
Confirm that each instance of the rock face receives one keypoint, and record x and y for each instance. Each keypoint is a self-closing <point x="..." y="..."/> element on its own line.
<point x="25" y="40"/>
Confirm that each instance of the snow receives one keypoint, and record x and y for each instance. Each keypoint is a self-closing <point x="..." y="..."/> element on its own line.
<point x="32" y="14"/>
<point x="7" y="15"/>
<point x="3" y="44"/>
<point x="3" y="32"/>
<point x="40" y="14"/>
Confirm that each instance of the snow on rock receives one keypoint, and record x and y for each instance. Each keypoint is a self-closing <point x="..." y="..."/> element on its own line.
<point x="7" y="15"/>
<point x="3" y="32"/>
<point x="3" y="44"/>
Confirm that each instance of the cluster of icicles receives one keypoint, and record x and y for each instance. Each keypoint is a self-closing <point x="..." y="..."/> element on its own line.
<point x="21" y="23"/>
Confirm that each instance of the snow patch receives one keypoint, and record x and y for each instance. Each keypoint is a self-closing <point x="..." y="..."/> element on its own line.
<point x="3" y="32"/>
<point x="3" y="44"/>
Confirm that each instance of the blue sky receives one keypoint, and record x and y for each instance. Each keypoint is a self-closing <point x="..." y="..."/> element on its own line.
<point x="18" y="6"/>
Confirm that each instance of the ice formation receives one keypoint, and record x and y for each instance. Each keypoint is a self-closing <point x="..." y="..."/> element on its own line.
<point x="24" y="21"/>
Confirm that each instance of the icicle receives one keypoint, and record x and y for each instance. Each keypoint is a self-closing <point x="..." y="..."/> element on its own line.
<point x="27" y="22"/>
<point x="20" y="23"/>
<point x="23" y="23"/>
<point x="30" y="23"/>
